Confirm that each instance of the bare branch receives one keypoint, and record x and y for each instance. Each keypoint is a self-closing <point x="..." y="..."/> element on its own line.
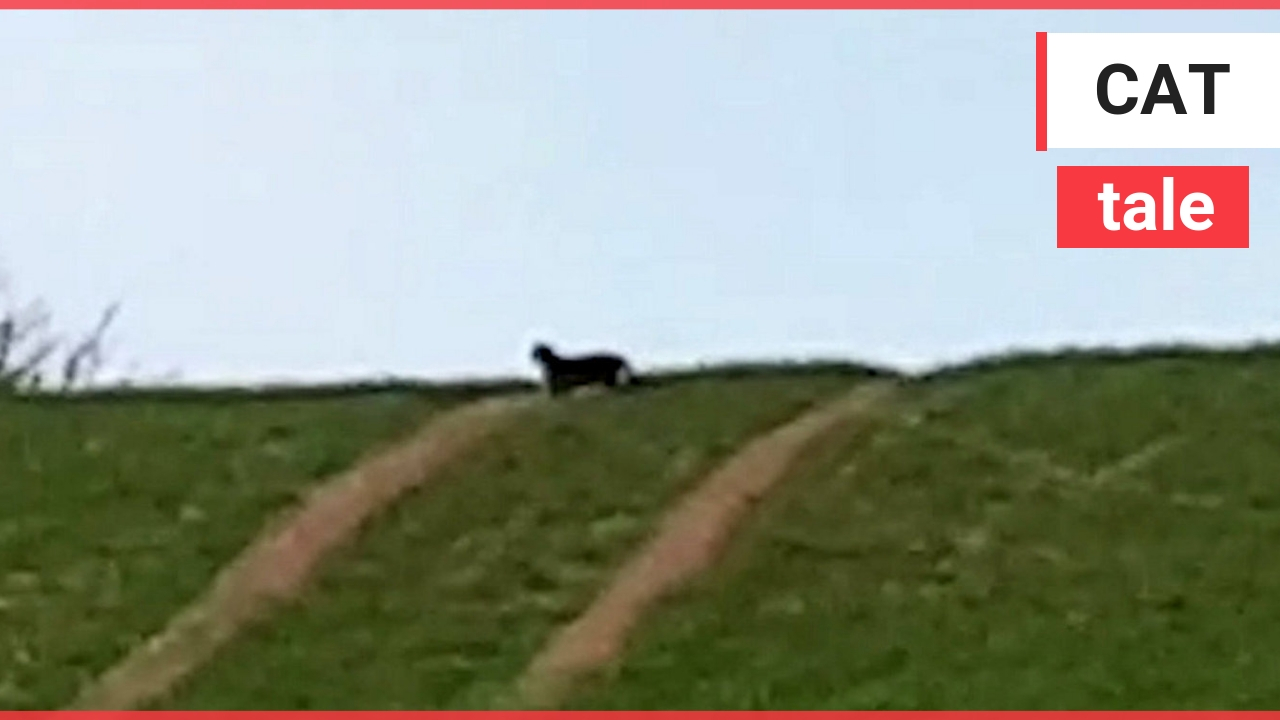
<point x="28" y="346"/>
<point x="7" y="331"/>
<point x="85" y="359"/>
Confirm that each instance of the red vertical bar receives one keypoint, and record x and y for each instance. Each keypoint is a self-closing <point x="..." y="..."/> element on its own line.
<point x="1042" y="91"/>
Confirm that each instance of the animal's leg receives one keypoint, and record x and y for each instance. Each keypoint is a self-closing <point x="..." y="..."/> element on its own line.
<point x="554" y="386"/>
<point x="623" y="376"/>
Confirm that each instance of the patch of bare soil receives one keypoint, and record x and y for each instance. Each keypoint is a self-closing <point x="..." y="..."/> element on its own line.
<point x="687" y="542"/>
<point x="276" y="566"/>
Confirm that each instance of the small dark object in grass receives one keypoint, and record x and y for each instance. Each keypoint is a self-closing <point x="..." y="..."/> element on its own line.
<point x="566" y="373"/>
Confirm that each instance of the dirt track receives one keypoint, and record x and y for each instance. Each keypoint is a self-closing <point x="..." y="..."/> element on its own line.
<point x="686" y="543"/>
<point x="275" y="567"/>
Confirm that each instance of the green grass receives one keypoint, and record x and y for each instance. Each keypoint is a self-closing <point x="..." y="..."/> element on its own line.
<point x="441" y="604"/>
<point x="117" y="509"/>
<point x="1074" y="531"/>
<point x="1006" y="543"/>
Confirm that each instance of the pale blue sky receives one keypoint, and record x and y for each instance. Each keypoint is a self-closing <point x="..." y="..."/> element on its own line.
<point x="322" y="195"/>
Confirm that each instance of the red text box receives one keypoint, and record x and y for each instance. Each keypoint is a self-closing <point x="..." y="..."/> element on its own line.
<point x="1188" y="206"/>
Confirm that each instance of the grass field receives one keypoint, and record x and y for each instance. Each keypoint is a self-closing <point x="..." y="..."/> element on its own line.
<point x="443" y="603"/>
<point x="115" y="511"/>
<point x="1071" y="531"/>
<point x="1078" y="533"/>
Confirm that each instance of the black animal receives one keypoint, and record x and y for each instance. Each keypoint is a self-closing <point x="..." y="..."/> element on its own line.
<point x="565" y="373"/>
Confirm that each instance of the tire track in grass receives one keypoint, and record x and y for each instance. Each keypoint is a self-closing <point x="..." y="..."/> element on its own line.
<point x="688" y="540"/>
<point x="275" y="567"/>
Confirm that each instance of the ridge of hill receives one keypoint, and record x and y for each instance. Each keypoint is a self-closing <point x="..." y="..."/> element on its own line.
<point x="1078" y="529"/>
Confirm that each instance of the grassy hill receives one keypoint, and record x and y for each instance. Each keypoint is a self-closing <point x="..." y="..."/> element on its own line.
<point x="442" y="604"/>
<point x="1070" y="531"/>
<point x="117" y="509"/>
<point x="1037" y="533"/>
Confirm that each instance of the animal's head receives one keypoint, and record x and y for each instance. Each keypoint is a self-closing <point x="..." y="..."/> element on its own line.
<point x="542" y="353"/>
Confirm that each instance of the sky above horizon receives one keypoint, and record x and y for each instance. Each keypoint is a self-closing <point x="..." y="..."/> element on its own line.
<point x="326" y="195"/>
